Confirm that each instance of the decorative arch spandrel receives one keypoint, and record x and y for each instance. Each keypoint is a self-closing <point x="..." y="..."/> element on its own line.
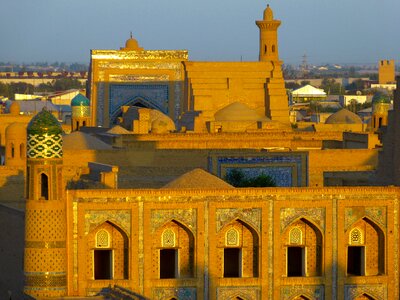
<point x="250" y="216"/>
<point x="315" y="215"/>
<point x="121" y="218"/>
<point x="186" y="217"/>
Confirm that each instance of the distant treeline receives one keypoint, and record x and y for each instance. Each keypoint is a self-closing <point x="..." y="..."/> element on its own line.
<point x="9" y="89"/>
<point x="42" y="66"/>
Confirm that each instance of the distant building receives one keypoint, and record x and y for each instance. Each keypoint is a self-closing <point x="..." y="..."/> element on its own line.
<point x="387" y="72"/>
<point x="345" y="100"/>
<point x="306" y="94"/>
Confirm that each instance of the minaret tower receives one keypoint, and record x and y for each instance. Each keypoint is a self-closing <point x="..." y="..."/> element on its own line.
<point x="45" y="262"/>
<point x="276" y="101"/>
<point x="268" y="36"/>
<point x="80" y="106"/>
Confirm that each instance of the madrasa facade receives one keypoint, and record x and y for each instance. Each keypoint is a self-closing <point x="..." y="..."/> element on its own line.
<point x="194" y="236"/>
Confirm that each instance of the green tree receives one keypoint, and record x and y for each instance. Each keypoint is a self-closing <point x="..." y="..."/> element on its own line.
<point x="237" y="178"/>
<point x="331" y="87"/>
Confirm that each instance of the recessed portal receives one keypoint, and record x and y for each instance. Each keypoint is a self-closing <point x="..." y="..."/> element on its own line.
<point x="232" y="262"/>
<point x="295" y="262"/>
<point x="168" y="263"/>
<point x="102" y="264"/>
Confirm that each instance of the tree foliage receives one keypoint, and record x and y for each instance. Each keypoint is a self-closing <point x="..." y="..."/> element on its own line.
<point x="237" y="178"/>
<point x="62" y="84"/>
<point x="331" y="87"/>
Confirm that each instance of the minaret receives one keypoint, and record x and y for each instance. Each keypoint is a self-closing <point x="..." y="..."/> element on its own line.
<point x="276" y="101"/>
<point x="45" y="261"/>
<point x="268" y="36"/>
<point x="80" y="117"/>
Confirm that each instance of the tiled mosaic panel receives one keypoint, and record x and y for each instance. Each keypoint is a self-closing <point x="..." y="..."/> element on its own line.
<point x="81" y="111"/>
<point x="156" y="95"/>
<point x="44" y="146"/>
<point x="276" y="166"/>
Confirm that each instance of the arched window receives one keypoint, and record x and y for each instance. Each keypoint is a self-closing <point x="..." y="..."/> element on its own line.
<point x="238" y="248"/>
<point x="110" y="256"/>
<point x="356" y="237"/>
<point x="265" y="49"/>
<point x="44" y="186"/>
<point x="232" y="238"/>
<point x="273" y="48"/>
<point x="295" y="236"/>
<point x="365" y="249"/>
<point x="12" y="150"/>
<point x="303" y="249"/>
<point x="102" y="239"/>
<point x="176" y="254"/>
<point x="168" y="238"/>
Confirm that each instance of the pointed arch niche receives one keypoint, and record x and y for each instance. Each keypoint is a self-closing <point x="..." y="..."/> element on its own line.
<point x="238" y="250"/>
<point x="173" y="251"/>
<point x="302" y="245"/>
<point x="108" y="253"/>
<point x="365" y="249"/>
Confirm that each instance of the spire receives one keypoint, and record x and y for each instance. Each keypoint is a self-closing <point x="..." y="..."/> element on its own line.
<point x="268" y="14"/>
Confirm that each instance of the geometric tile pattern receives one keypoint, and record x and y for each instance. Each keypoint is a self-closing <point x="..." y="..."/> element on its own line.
<point x="44" y="146"/>
<point x="80" y="111"/>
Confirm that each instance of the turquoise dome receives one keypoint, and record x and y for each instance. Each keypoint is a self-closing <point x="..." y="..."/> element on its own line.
<point x="80" y="100"/>
<point x="44" y="123"/>
<point x="380" y="98"/>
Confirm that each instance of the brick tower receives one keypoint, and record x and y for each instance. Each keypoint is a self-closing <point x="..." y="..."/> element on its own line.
<point x="276" y="102"/>
<point x="45" y="261"/>
<point x="268" y="36"/>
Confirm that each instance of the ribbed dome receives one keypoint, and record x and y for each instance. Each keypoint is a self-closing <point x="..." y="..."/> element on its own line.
<point x="44" y="123"/>
<point x="80" y="100"/>
<point x="15" y="108"/>
<point x="237" y="112"/>
<point x="343" y="116"/>
<point x="268" y="14"/>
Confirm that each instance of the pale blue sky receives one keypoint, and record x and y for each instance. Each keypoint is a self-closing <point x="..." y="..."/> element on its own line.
<point x="336" y="31"/>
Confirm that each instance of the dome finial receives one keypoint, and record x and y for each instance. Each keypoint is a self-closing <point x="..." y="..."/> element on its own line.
<point x="268" y="14"/>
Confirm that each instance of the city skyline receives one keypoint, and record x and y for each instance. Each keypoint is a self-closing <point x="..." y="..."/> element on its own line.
<point x="327" y="32"/>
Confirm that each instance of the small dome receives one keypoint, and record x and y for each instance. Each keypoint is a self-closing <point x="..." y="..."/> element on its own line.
<point x="198" y="179"/>
<point x="15" y="108"/>
<point x="238" y="112"/>
<point x="16" y="130"/>
<point x="131" y="43"/>
<point x="161" y="123"/>
<point x="343" y="116"/>
<point x="268" y="14"/>
<point x="80" y="100"/>
<point x="380" y="97"/>
<point x="44" y="123"/>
